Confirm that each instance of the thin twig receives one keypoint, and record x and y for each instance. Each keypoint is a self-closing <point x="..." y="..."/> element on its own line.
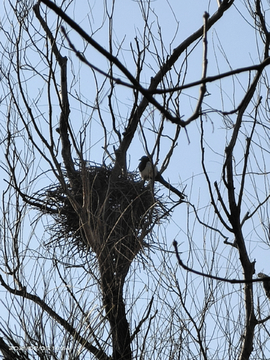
<point x="231" y="281"/>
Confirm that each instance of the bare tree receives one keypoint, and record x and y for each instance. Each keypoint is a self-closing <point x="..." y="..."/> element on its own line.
<point x="88" y="267"/>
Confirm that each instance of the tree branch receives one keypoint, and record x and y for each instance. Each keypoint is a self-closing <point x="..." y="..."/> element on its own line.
<point x="37" y="300"/>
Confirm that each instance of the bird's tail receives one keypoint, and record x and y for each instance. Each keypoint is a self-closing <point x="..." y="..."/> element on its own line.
<point x="161" y="180"/>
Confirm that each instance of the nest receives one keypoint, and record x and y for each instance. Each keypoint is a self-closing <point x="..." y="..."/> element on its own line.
<point x="120" y="215"/>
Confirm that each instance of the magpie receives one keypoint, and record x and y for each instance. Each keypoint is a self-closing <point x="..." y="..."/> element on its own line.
<point x="146" y="168"/>
<point x="266" y="283"/>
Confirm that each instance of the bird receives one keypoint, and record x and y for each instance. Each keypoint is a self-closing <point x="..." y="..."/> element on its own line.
<point x="266" y="283"/>
<point x="147" y="168"/>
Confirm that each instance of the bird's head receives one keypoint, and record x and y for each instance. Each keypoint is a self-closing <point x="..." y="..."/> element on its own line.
<point x="145" y="158"/>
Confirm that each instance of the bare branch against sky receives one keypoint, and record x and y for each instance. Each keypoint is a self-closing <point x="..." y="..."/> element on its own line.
<point x="103" y="258"/>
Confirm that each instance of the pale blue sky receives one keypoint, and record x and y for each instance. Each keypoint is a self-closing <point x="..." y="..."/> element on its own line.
<point x="231" y="44"/>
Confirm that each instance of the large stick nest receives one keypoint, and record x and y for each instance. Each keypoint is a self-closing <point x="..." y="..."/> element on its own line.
<point x="120" y="214"/>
